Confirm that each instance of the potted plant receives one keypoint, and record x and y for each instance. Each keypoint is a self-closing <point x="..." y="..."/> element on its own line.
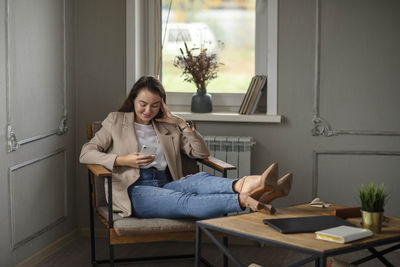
<point x="373" y="199"/>
<point x="199" y="67"/>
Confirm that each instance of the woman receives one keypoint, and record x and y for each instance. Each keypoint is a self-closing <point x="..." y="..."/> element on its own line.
<point x="140" y="184"/>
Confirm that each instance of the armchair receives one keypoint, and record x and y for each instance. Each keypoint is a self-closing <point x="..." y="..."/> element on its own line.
<point x="136" y="230"/>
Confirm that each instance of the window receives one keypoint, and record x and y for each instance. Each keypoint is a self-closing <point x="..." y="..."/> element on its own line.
<point x="226" y="28"/>
<point x="144" y="41"/>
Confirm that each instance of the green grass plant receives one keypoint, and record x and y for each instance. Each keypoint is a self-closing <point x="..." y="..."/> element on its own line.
<point x="373" y="198"/>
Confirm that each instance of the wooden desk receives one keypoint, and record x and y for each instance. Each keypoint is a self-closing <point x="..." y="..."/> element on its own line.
<point x="250" y="226"/>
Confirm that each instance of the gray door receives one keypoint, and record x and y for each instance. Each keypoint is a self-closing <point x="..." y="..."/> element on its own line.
<point x="34" y="80"/>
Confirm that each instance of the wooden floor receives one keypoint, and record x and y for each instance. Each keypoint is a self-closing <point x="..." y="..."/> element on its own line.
<point x="78" y="254"/>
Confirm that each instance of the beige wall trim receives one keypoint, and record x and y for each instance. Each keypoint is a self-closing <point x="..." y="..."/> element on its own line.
<point x="50" y="249"/>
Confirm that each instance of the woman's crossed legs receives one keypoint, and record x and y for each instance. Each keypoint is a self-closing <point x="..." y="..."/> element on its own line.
<point x="200" y="195"/>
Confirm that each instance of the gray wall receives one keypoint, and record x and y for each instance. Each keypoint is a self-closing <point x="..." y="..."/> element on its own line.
<point x="101" y="75"/>
<point x="359" y="64"/>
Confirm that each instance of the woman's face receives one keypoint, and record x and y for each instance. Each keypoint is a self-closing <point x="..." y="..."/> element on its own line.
<point x="147" y="106"/>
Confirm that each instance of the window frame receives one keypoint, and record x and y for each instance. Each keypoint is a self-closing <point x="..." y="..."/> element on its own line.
<point x="143" y="45"/>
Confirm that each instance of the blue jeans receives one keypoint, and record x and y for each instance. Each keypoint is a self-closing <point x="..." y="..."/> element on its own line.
<point x="200" y="195"/>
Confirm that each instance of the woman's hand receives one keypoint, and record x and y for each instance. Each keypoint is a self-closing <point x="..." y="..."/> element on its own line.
<point x="135" y="160"/>
<point x="168" y="116"/>
<point x="171" y="118"/>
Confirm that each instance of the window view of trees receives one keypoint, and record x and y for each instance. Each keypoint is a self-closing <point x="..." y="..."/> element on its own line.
<point x="225" y="27"/>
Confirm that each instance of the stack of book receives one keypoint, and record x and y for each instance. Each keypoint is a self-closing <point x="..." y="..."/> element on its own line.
<point x="256" y="91"/>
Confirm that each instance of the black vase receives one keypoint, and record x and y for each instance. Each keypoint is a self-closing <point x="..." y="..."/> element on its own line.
<point x="201" y="102"/>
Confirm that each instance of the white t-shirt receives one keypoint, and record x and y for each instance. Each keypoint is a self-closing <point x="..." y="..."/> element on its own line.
<point x="146" y="135"/>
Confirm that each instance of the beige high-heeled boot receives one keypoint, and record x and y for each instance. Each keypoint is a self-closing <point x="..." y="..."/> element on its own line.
<point x="256" y="185"/>
<point x="282" y="189"/>
<point x="247" y="201"/>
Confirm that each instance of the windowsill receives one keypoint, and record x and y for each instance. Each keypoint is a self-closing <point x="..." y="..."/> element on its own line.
<point x="229" y="117"/>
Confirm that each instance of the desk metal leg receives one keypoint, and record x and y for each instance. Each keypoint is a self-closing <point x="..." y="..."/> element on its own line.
<point x="198" y="246"/>
<point x="380" y="257"/>
<point x="221" y="247"/>
<point x="377" y="254"/>
<point x="321" y="261"/>
<point x="225" y="259"/>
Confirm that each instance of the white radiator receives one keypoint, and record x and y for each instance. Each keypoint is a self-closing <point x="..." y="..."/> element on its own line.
<point x="235" y="150"/>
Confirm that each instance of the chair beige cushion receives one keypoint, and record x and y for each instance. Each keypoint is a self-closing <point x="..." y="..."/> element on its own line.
<point x="132" y="225"/>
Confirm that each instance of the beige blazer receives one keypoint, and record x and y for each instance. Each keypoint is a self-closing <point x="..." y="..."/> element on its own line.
<point x="117" y="137"/>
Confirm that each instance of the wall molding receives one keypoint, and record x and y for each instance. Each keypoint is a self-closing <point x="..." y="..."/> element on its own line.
<point x="51" y="225"/>
<point x="321" y="127"/>
<point x="315" y="178"/>
<point x="12" y="140"/>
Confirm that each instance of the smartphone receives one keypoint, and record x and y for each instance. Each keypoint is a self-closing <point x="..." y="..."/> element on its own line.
<point x="146" y="149"/>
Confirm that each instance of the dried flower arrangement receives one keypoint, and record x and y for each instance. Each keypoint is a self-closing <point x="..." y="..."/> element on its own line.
<point x="198" y="68"/>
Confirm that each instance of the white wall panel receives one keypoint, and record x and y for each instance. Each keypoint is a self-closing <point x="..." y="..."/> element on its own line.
<point x="357" y="66"/>
<point x="36" y="68"/>
<point x="38" y="194"/>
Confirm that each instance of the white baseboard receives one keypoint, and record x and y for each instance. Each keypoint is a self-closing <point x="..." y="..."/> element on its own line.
<point x="49" y="249"/>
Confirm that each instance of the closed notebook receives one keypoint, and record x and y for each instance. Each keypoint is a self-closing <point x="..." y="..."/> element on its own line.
<point x="308" y="224"/>
<point x="343" y="234"/>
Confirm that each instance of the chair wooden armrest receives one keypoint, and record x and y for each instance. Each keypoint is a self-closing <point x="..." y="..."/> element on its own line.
<point x="98" y="170"/>
<point x="217" y="164"/>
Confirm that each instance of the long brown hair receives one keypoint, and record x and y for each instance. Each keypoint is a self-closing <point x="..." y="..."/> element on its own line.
<point x="145" y="82"/>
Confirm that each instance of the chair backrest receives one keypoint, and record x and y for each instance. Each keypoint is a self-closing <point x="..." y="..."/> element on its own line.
<point x="99" y="197"/>
<point x="189" y="166"/>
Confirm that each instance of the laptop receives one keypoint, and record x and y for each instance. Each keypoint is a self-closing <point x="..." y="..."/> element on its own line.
<point x="305" y="224"/>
